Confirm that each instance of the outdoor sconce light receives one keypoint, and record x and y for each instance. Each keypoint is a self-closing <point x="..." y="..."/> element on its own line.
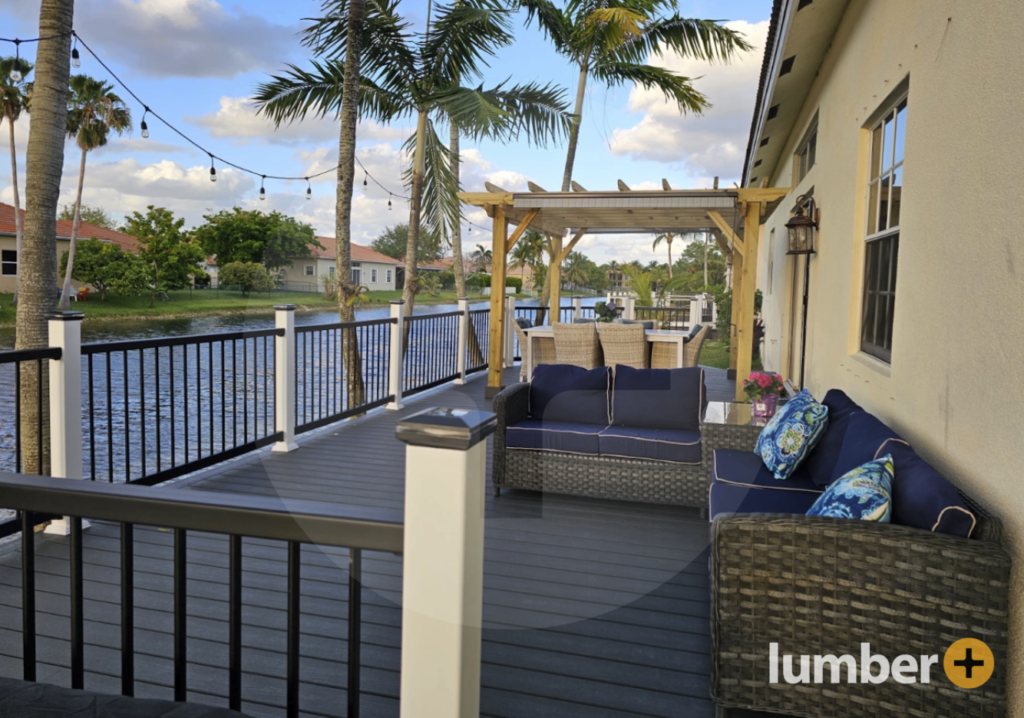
<point x="802" y="227"/>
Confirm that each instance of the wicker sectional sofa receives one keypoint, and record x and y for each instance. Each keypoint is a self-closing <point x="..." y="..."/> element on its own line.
<point x="641" y="442"/>
<point x="818" y="586"/>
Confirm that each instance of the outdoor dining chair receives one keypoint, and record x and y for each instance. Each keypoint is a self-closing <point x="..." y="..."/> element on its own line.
<point x="663" y="356"/>
<point x="625" y="344"/>
<point x="543" y="347"/>
<point x="577" y="344"/>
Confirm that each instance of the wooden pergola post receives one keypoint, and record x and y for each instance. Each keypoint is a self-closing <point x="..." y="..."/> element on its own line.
<point x="495" y="355"/>
<point x="555" y="280"/>
<point x="744" y="299"/>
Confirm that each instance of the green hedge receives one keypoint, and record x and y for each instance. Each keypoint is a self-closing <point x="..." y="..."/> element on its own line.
<point x="484" y="280"/>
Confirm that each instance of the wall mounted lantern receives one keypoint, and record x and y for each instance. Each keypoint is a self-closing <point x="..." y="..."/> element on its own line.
<point x="803" y="227"/>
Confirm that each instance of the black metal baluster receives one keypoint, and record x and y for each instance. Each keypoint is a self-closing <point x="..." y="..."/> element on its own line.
<point x="28" y="596"/>
<point x="110" y="423"/>
<point x="174" y="423"/>
<point x="320" y="367"/>
<point x="159" y="441"/>
<point x="294" y="593"/>
<point x="185" y="393"/>
<point x="17" y="416"/>
<point x="142" y="406"/>
<point x="209" y="383"/>
<point x="223" y="402"/>
<point x="127" y="420"/>
<point x="92" y="424"/>
<point x="266" y="381"/>
<point x="234" y="392"/>
<point x="355" y="613"/>
<point x="235" y="624"/>
<point x="77" y="607"/>
<point x="128" y="609"/>
<point x="199" y="400"/>
<point x="39" y="414"/>
<point x="245" y="390"/>
<point x="180" y="617"/>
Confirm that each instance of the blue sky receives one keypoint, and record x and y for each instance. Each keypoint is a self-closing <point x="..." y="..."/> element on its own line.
<point x="196" y="62"/>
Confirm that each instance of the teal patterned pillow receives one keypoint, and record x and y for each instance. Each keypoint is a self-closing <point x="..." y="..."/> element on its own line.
<point x="864" y="493"/>
<point x="791" y="434"/>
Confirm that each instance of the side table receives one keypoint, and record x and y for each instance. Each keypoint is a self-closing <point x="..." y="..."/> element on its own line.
<point x="728" y="425"/>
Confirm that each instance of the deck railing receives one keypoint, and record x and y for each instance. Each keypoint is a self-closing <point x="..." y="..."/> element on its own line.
<point x="431" y="351"/>
<point x="480" y="325"/>
<point x="664" y="317"/>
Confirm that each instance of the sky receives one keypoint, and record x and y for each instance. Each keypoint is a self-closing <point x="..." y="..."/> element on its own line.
<point x="197" y="62"/>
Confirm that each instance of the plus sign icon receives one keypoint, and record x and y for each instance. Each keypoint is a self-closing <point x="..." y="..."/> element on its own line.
<point x="969" y="663"/>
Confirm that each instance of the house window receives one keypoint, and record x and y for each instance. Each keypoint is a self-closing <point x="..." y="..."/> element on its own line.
<point x="806" y="154"/>
<point x="882" y="244"/>
<point x="9" y="262"/>
<point x="357" y="274"/>
<point x="308" y="270"/>
<point x="330" y="270"/>
<point x="373" y="276"/>
<point x="387" y="276"/>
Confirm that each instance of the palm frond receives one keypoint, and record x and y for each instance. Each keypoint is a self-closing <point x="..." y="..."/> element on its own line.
<point x="462" y="38"/>
<point x="440" y="208"/>
<point x="675" y="87"/>
<point x="537" y="113"/>
<point x="385" y="40"/>
<point x="608" y="28"/>
<point x="707" y="40"/>
<point x="555" y="23"/>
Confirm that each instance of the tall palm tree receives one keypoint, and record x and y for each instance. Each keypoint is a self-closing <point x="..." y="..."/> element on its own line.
<point x="528" y="252"/>
<point x="649" y="293"/>
<point x="482" y="258"/>
<point x="409" y="75"/>
<point x="575" y="271"/>
<point x="667" y="239"/>
<point x="612" y="40"/>
<point x="44" y="160"/>
<point x="94" y="111"/>
<point x="14" y="101"/>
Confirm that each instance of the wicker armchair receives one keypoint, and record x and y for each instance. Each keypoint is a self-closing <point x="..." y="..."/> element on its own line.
<point x="543" y="350"/>
<point x="663" y="355"/>
<point x="625" y="344"/>
<point x="577" y="344"/>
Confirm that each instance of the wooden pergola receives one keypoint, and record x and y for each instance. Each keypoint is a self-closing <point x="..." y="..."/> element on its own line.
<point x="733" y="216"/>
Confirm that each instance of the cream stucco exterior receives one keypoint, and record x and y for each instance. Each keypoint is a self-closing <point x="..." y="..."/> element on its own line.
<point x="953" y="386"/>
<point x="375" y="276"/>
<point x="10" y="244"/>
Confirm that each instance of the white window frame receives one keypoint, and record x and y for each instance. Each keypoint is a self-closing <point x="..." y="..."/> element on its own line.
<point x="309" y="271"/>
<point x="5" y="262"/>
<point x="373" y="276"/>
<point x="331" y="270"/>
<point x="388" y="275"/>
<point x="806" y="155"/>
<point x="882" y="176"/>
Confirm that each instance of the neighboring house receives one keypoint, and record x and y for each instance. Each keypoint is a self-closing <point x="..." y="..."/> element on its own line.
<point x="371" y="269"/>
<point x="522" y="271"/>
<point x="9" y="242"/>
<point x="616" y="278"/>
<point x="860" y="99"/>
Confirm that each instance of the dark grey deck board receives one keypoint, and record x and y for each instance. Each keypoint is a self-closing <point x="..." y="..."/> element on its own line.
<point x="591" y="608"/>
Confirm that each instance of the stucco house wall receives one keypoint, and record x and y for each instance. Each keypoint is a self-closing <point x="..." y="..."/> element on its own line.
<point x="958" y="340"/>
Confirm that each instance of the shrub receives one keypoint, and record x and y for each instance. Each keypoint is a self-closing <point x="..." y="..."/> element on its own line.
<point x="248" y="276"/>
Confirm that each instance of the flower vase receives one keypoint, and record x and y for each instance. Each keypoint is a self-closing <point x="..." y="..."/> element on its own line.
<point x="764" y="408"/>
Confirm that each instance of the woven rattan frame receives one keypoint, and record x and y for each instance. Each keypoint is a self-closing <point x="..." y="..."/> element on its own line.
<point x="663" y="354"/>
<point x="543" y="350"/>
<point x="625" y="344"/>
<point x="577" y="344"/>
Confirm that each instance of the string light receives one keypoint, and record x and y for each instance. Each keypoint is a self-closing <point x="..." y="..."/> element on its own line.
<point x="213" y="170"/>
<point x="143" y="126"/>
<point x="263" y="192"/>
<point x="309" y="189"/>
<point x="365" y="176"/>
<point x="389" y="202"/>
<point x="16" y="75"/>
<point x="76" y="59"/>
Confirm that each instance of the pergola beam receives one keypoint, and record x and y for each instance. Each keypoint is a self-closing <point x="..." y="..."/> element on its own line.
<point x="747" y="284"/>
<point x="523" y="225"/>
<point x="724" y="228"/>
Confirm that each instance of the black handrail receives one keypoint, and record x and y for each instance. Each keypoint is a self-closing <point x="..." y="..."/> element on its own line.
<point x="160" y="342"/>
<point x="344" y="325"/>
<point x="20" y="355"/>
<point x="356" y="528"/>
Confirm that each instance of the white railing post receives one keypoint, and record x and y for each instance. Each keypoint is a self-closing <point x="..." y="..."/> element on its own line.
<point x="630" y="308"/>
<point x="695" y="305"/>
<point x="510" y="332"/>
<point x="577" y="307"/>
<point x="65" y="333"/>
<point x="397" y="354"/>
<point x="460" y="363"/>
<point x="443" y="564"/>
<point x="285" y="360"/>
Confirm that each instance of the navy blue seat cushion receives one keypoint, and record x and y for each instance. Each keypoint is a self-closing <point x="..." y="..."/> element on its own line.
<point x="866" y="439"/>
<point x="821" y="462"/>
<point x="562" y="392"/>
<point x="675" y="445"/>
<point x="729" y="499"/>
<point x="658" y="398"/>
<point x="694" y="331"/>
<point x="924" y="498"/>
<point x="567" y="437"/>
<point x="745" y="468"/>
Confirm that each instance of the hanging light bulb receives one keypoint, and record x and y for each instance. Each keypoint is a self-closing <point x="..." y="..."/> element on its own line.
<point x="16" y="75"/>
<point x="364" y="180"/>
<point x="309" y="189"/>
<point x="76" y="59"/>
<point x="213" y="170"/>
<point x="471" y="229"/>
<point x="143" y="126"/>
<point x="263" y="192"/>
<point x="389" y="202"/>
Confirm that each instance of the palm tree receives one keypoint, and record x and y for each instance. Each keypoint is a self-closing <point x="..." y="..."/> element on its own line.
<point x="37" y="266"/>
<point x="575" y="271"/>
<point x="482" y="258"/>
<point x="409" y="75"/>
<point x="612" y="40"/>
<point x="14" y="101"/>
<point x="94" y="110"/>
<point x="649" y="293"/>
<point x="528" y="252"/>
<point x="667" y="239"/>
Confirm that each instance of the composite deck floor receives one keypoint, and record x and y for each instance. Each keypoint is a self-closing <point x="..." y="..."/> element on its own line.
<point x="592" y="608"/>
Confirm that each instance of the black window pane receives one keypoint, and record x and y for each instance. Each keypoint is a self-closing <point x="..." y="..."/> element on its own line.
<point x="9" y="255"/>
<point x="9" y="269"/>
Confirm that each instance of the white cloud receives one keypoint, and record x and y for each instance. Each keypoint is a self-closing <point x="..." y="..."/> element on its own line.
<point x="707" y="145"/>
<point x="183" y="38"/>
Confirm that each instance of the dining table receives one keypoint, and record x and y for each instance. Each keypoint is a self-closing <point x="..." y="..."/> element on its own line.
<point x="669" y="336"/>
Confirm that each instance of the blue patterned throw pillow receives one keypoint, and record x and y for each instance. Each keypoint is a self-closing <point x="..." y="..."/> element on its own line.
<point x="791" y="434"/>
<point x="864" y="493"/>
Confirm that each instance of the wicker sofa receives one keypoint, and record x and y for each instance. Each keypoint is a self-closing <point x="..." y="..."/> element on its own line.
<point x="820" y="586"/>
<point x="634" y="437"/>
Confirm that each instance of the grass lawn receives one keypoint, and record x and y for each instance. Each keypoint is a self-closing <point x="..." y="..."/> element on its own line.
<point x="714" y="354"/>
<point x="210" y="302"/>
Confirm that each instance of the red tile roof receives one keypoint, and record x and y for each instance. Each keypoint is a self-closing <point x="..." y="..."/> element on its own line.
<point x="85" y="230"/>
<point x="359" y="252"/>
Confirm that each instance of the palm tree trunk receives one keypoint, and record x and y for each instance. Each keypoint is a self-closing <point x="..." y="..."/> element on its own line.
<point x="65" y="294"/>
<point x="412" y="243"/>
<point x="574" y="133"/>
<point x="17" y="207"/>
<point x="355" y="388"/>
<point x="476" y="356"/>
<point x="669" y="243"/>
<point x="44" y="162"/>
<point x="705" y="261"/>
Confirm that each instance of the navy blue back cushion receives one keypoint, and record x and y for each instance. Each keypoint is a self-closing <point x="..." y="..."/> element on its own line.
<point x="562" y="392"/>
<point x="924" y="498"/>
<point x="866" y="437"/>
<point x="822" y="460"/>
<point x="658" y="398"/>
